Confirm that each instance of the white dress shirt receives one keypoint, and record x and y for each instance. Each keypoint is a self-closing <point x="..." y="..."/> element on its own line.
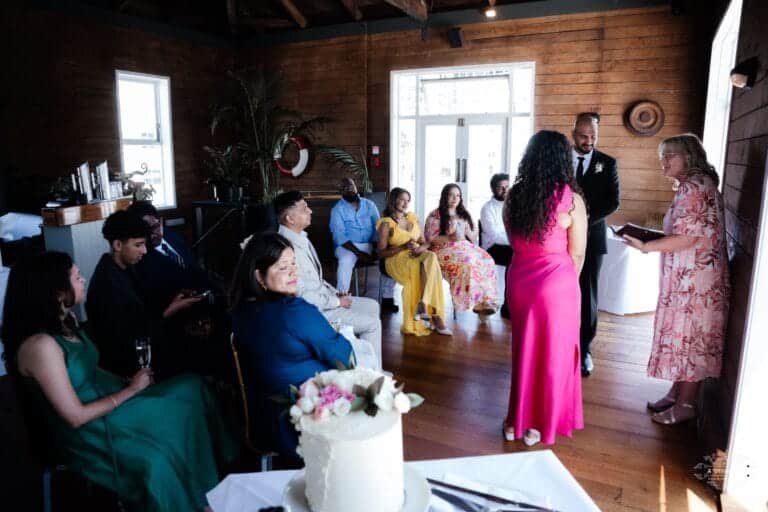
<point x="492" y="224"/>
<point x="575" y="155"/>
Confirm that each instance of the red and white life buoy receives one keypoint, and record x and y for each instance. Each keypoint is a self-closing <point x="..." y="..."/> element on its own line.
<point x="301" y="164"/>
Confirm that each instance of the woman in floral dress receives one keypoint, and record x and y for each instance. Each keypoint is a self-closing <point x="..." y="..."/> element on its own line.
<point x="469" y="269"/>
<point x="689" y="328"/>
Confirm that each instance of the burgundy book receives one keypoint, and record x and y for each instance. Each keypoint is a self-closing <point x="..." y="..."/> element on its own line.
<point x="639" y="232"/>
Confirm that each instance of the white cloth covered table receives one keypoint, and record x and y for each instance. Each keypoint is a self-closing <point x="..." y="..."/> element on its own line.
<point x="629" y="279"/>
<point x="536" y="473"/>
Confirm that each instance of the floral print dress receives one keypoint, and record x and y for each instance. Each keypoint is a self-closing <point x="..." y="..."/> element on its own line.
<point x="689" y="328"/>
<point x="469" y="269"/>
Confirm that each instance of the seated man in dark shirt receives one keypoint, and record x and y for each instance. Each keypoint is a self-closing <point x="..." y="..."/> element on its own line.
<point x="170" y="268"/>
<point x="117" y="308"/>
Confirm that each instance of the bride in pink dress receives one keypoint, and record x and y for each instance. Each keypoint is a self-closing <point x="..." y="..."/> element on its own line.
<point x="547" y="225"/>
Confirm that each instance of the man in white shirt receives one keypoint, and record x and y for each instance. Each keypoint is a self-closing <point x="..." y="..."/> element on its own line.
<point x="294" y="216"/>
<point x="493" y="235"/>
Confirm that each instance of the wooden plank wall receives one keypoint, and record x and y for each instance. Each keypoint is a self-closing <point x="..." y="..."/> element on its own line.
<point x="596" y="61"/>
<point x="743" y="185"/>
<point x="60" y="77"/>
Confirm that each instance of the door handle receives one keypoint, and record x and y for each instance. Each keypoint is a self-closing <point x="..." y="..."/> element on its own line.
<point x="464" y="170"/>
<point x="458" y="170"/>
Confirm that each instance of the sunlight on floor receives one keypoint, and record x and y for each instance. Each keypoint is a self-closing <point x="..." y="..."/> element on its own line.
<point x="696" y="504"/>
<point x="662" y="490"/>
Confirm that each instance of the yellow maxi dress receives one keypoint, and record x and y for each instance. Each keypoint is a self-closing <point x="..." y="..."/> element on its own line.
<point x="406" y="270"/>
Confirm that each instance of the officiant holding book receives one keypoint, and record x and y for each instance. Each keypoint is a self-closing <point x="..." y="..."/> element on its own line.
<point x="692" y="311"/>
<point x="598" y="176"/>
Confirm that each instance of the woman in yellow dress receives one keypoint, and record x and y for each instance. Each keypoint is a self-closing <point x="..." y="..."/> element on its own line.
<point x="409" y="261"/>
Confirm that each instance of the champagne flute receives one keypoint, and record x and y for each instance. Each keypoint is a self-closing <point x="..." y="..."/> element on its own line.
<point x="143" y="351"/>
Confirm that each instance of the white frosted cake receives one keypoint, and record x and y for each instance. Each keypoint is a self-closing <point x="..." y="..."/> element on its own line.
<point x="352" y="441"/>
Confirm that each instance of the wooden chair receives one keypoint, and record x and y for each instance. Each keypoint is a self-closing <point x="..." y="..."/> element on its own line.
<point x="265" y="456"/>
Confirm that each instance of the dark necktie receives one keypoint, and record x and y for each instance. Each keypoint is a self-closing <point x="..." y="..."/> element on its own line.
<point x="580" y="169"/>
<point x="172" y="255"/>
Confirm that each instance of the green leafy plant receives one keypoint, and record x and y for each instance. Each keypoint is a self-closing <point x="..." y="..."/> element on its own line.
<point x="256" y="118"/>
<point x="226" y="166"/>
<point x="140" y="190"/>
<point x="346" y="161"/>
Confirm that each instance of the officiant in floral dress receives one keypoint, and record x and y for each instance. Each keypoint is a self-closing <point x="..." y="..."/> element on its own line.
<point x="691" y="315"/>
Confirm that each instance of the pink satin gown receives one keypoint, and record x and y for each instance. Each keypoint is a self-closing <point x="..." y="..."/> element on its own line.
<point x="544" y="305"/>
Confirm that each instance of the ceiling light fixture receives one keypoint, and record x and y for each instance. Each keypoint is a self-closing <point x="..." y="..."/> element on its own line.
<point x="490" y="12"/>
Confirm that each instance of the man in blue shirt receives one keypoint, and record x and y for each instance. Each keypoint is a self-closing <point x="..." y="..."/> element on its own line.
<point x="353" y="226"/>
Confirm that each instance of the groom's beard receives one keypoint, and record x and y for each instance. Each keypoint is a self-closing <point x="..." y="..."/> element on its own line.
<point x="499" y="198"/>
<point x="351" y="198"/>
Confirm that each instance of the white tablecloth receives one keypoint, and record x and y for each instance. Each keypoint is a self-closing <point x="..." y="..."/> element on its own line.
<point x="629" y="279"/>
<point x="536" y="473"/>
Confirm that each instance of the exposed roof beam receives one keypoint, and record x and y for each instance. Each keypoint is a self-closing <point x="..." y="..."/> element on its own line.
<point x="416" y="9"/>
<point x="353" y="8"/>
<point x="294" y="12"/>
<point x="232" y="16"/>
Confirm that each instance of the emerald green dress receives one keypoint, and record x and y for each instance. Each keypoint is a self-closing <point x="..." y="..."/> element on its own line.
<point x="165" y="441"/>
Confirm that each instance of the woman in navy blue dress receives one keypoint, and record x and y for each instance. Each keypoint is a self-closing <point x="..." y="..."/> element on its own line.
<point x="285" y="339"/>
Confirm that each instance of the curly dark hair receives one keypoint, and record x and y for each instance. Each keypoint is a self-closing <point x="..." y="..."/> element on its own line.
<point x="389" y="209"/>
<point x="461" y="212"/>
<point x="545" y="167"/>
<point x="37" y="299"/>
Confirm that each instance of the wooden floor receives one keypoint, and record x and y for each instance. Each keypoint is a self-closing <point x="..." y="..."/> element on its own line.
<point x="624" y="461"/>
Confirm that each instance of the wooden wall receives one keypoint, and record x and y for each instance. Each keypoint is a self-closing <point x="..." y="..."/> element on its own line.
<point x="60" y="102"/>
<point x="743" y="185"/>
<point x="596" y="61"/>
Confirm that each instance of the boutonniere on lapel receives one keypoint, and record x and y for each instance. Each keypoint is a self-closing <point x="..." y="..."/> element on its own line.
<point x="598" y="167"/>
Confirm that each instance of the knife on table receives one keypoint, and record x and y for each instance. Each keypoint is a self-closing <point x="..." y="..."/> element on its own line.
<point x="462" y="503"/>
<point x="492" y="497"/>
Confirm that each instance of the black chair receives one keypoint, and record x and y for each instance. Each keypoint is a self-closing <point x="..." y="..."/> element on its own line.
<point x="265" y="456"/>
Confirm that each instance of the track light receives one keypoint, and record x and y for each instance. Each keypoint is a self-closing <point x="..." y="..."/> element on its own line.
<point x="490" y="12"/>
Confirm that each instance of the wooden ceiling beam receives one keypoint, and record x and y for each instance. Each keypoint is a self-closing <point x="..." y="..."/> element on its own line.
<point x="416" y="9"/>
<point x="353" y="8"/>
<point x="295" y="13"/>
<point x="232" y="16"/>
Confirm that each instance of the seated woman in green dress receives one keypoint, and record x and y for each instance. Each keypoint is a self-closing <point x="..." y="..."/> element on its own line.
<point x="155" y="445"/>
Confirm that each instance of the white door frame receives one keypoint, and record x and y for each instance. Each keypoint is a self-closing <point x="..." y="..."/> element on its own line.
<point x="746" y="471"/>
<point x="462" y="150"/>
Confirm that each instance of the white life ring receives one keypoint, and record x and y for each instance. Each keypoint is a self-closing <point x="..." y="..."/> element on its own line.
<point x="301" y="164"/>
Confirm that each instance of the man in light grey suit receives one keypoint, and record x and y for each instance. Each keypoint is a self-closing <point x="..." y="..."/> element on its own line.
<point x="294" y="216"/>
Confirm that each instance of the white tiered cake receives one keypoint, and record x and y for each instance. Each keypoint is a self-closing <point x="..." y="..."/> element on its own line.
<point x="353" y="458"/>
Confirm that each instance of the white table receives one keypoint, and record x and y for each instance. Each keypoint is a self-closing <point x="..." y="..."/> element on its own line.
<point x="629" y="279"/>
<point x="536" y="473"/>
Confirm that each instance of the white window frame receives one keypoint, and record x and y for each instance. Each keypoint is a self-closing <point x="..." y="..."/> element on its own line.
<point x="719" y="89"/>
<point x="503" y="69"/>
<point x="164" y="131"/>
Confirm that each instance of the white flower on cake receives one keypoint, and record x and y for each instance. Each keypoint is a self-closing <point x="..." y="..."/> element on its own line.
<point x="340" y="392"/>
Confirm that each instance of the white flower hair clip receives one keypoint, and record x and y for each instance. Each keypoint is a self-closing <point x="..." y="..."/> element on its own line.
<point x="598" y="167"/>
<point x="245" y="242"/>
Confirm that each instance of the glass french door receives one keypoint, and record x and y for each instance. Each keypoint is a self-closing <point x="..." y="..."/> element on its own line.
<point x="466" y="150"/>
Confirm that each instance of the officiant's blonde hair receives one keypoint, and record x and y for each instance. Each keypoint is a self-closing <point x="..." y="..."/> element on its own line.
<point x="689" y="145"/>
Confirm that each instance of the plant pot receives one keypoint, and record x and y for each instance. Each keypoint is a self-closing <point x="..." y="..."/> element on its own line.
<point x="230" y="193"/>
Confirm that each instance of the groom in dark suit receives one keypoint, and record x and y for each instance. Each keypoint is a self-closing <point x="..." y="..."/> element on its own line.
<point x="597" y="175"/>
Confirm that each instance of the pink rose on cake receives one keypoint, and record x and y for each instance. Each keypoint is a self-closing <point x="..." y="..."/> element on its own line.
<point x="339" y="392"/>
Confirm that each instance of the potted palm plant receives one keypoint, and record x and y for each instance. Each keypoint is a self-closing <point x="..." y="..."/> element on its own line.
<point x="227" y="172"/>
<point x="254" y="116"/>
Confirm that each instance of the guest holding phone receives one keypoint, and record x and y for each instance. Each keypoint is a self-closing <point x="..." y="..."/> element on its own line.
<point x="155" y="445"/>
<point x="689" y="329"/>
